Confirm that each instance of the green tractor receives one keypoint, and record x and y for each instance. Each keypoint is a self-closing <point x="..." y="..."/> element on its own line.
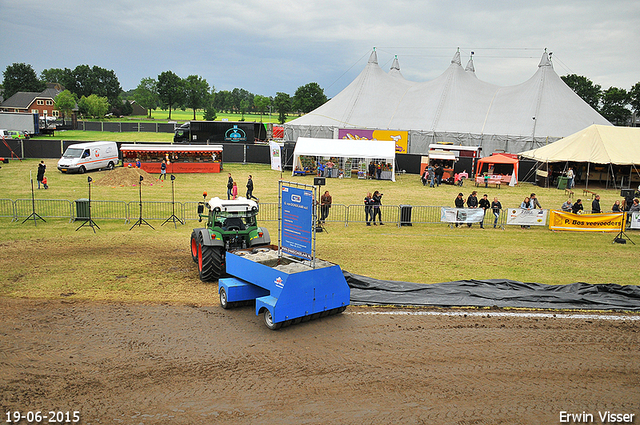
<point x="231" y="225"/>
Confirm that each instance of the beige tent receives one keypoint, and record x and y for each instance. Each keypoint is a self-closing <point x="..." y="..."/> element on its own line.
<point x="596" y="144"/>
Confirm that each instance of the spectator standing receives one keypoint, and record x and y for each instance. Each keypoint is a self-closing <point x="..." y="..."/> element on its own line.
<point x="379" y="171"/>
<point x="250" y="189"/>
<point x="533" y="202"/>
<point x="570" y="177"/>
<point x="41" y="170"/>
<point x="485" y="205"/>
<point x="439" y="173"/>
<point x="472" y="202"/>
<point x="163" y="170"/>
<point x="372" y="169"/>
<point x="496" y="206"/>
<point x="368" y="208"/>
<point x="432" y="176"/>
<point x="234" y="191"/>
<point x="229" y="187"/>
<point x="616" y="207"/>
<point x="566" y="206"/>
<point x="577" y="207"/>
<point x="595" y="205"/>
<point x="525" y="205"/>
<point x="377" y="202"/>
<point x="459" y="203"/>
<point x="425" y="176"/>
<point x="325" y="204"/>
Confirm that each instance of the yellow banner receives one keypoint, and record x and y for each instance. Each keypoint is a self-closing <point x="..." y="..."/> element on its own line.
<point x="400" y="137"/>
<point x="610" y="222"/>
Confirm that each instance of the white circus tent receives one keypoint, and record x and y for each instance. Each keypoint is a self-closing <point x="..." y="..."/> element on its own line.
<point x="455" y="107"/>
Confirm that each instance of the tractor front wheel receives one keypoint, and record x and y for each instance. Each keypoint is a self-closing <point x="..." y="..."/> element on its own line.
<point x="210" y="262"/>
<point x="195" y="245"/>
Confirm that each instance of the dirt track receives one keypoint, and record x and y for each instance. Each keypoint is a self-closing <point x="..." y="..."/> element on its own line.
<point x="152" y="364"/>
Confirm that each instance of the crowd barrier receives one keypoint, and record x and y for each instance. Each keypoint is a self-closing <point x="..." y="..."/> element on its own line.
<point x="399" y="215"/>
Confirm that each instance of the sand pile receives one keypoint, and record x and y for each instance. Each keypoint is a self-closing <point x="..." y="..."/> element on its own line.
<point x="125" y="176"/>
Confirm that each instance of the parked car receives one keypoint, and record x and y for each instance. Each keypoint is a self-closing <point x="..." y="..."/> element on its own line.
<point x="14" y="134"/>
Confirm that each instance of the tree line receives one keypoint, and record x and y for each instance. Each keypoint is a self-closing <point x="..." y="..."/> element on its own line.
<point x="615" y="104"/>
<point x="96" y="91"/>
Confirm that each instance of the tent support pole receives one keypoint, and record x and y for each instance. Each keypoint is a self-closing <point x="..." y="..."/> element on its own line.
<point x="586" y="185"/>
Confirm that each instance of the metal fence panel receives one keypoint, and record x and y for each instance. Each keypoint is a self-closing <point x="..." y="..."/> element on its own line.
<point x="52" y="208"/>
<point x="388" y="214"/>
<point x="190" y="210"/>
<point x="7" y="208"/>
<point x="155" y="210"/>
<point x="110" y="210"/>
<point x="338" y="213"/>
<point x="425" y="214"/>
<point x="268" y="211"/>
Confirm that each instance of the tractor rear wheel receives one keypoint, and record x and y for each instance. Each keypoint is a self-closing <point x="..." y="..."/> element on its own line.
<point x="210" y="262"/>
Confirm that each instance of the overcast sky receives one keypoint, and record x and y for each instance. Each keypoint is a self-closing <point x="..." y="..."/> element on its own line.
<point x="278" y="45"/>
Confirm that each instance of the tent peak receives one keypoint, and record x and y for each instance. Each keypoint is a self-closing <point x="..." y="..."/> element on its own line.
<point x="374" y="56"/>
<point x="546" y="59"/>
<point x="395" y="64"/>
<point x="456" y="58"/>
<point x="470" y="66"/>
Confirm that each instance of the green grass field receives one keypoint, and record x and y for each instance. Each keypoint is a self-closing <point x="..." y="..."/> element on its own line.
<point x="53" y="258"/>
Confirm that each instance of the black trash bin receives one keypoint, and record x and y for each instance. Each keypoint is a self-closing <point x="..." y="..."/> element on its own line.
<point x="82" y="209"/>
<point x="405" y="215"/>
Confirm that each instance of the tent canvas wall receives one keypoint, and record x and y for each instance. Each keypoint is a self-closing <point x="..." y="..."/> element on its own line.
<point x="357" y="149"/>
<point x="454" y="107"/>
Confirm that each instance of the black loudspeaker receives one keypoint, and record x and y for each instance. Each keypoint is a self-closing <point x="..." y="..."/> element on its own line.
<point x="319" y="181"/>
<point x="627" y="193"/>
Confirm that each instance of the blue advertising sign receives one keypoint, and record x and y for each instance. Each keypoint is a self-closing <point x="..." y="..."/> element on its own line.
<point x="297" y="222"/>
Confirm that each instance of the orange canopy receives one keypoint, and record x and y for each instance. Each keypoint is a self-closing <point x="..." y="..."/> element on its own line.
<point x="499" y="159"/>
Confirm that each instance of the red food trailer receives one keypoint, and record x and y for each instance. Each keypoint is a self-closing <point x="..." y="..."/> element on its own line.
<point x="180" y="159"/>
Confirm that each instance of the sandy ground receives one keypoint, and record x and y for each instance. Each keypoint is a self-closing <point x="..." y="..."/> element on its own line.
<point x="164" y="364"/>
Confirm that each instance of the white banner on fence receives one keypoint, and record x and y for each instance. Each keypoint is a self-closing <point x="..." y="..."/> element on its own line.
<point x="635" y="220"/>
<point x="276" y="163"/>
<point x="522" y="217"/>
<point x="461" y="215"/>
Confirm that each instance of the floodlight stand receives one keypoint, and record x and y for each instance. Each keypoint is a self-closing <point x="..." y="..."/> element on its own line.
<point x="33" y="214"/>
<point x="141" y="220"/>
<point x="173" y="216"/>
<point x="621" y="234"/>
<point x="89" y="222"/>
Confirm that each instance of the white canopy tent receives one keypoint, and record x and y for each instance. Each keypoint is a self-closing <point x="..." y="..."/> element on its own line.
<point x="356" y="149"/>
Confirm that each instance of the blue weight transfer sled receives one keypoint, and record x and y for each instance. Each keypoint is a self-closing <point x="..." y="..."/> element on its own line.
<point x="283" y="298"/>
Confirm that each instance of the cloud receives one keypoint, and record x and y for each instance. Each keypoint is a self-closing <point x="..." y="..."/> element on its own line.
<point x="271" y="46"/>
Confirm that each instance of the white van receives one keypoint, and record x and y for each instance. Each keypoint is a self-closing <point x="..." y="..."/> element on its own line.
<point x="83" y="157"/>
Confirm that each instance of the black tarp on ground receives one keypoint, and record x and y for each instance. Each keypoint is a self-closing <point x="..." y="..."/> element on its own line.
<point x="494" y="292"/>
